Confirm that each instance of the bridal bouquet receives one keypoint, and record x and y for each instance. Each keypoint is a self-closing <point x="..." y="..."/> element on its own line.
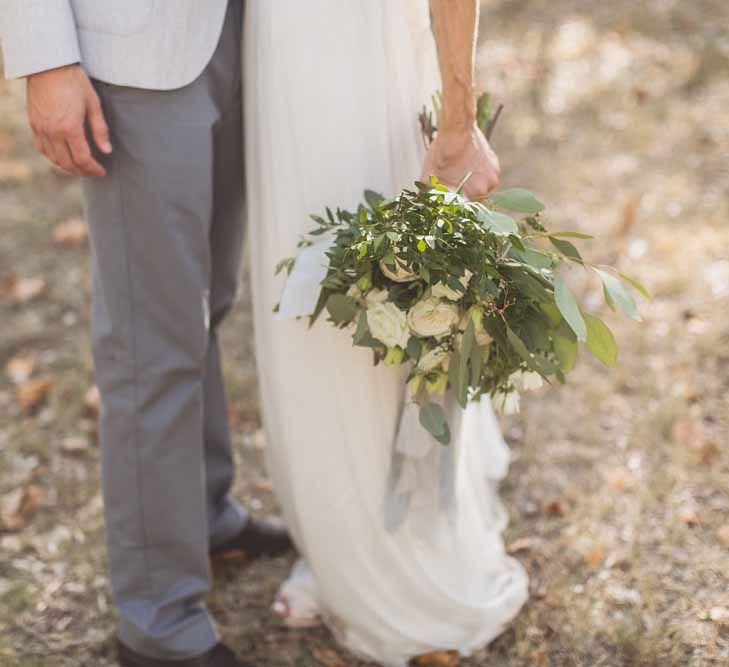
<point x="468" y="295"/>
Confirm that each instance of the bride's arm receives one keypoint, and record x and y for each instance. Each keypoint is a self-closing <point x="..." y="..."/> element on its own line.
<point x="459" y="146"/>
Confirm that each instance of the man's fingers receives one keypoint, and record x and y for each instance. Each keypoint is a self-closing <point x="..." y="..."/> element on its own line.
<point x="82" y="157"/>
<point x="97" y="123"/>
<point x="46" y="147"/>
<point x="62" y="156"/>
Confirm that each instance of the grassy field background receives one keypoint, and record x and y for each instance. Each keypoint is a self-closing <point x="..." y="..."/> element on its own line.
<point x="616" y="115"/>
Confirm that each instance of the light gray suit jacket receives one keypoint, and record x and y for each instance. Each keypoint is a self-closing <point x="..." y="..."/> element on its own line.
<point x="159" y="44"/>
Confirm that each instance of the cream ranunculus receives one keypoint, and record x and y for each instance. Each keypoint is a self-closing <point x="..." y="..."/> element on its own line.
<point x="388" y="324"/>
<point x="401" y="273"/>
<point x="433" y="358"/>
<point x="506" y="403"/>
<point x="442" y="290"/>
<point x="375" y="295"/>
<point x="433" y="317"/>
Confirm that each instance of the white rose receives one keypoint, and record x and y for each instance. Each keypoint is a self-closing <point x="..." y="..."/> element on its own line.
<point x="376" y="295"/>
<point x="388" y="324"/>
<point x="401" y="273"/>
<point x="527" y="380"/>
<point x="506" y="403"/>
<point x="433" y="317"/>
<point x="433" y="358"/>
<point x="442" y="290"/>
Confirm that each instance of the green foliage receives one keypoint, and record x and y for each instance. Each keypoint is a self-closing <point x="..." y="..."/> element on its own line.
<point x="517" y="199"/>
<point x="433" y="419"/>
<point x="567" y="305"/>
<point x="497" y="272"/>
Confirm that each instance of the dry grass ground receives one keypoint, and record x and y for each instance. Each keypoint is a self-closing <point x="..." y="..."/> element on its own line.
<point x="619" y="492"/>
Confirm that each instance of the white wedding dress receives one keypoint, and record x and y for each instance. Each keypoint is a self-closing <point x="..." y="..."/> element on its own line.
<point x="399" y="536"/>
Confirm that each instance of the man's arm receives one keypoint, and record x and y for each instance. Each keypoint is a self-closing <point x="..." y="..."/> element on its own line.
<point x="37" y="35"/>
<point x="39" y="42"/>
<point x="459" y="146"/>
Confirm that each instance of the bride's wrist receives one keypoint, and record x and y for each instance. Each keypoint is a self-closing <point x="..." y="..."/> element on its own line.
<point x="463" y="124"/>
<point x="458" y="112"/>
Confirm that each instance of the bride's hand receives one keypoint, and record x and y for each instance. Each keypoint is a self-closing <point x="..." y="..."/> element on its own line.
<point x="455" y="152"/>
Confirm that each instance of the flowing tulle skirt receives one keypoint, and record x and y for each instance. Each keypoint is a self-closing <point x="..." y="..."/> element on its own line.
<point x="332" y="93"/>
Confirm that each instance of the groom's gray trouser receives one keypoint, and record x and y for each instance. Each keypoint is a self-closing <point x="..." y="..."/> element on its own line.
<point x="166" y="234"/>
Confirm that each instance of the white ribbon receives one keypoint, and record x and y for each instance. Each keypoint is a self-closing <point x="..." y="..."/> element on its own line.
<point x="301" y="291"/>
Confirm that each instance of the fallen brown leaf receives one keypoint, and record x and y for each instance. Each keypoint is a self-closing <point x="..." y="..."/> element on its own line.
<point x="689" y="432"/>
<point x="595" y="556"/>
<point x="619" y="479"/>
<point x="15" y="172"/>
<point x="720" y="616"/>
<point x="540" y="657"/>
<point x="19" y="506"/>
<point x="522" y="544"/>
<point x="438" y="659"/>
<point x="553" y="507"/>
<point x="73" y="232"/>
<point x="74" y="445"/>
<point x="688" y="516"/>
<point x="328" y="658"/>
<point x="21" y="290"/>
<point x="31" y="394"/>
<point x="628" y="216"/>
<point x="20" y="368"/>
<point x="709" y="453"/>
<point x="91" y="403"/>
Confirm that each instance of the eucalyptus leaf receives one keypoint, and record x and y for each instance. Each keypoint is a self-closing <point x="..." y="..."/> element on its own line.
<point x="517" y="199"/>
<point x="636" y="285"/>
<point x="617" y="295"/>
<point x="552" y="312"/>
<point x="566" y="248"/>
<point x="521" y="349"/>
<point x="568" y="233"/>
<point x="567" y="305"/>
<point x="458" y="377"/>
<point x="362" y="336"/>
<point x="532" y="257"/>
<point x="469" y="339"/>
<point x="496" y="222"/>
<point x="342" y="308"/>
<point x="475" y="363"/>
<point x="565" y="347"/>
<point x="414" y="348"/>
<point x="433" y="419"/>
<point x="600" y="340"/>
<point x="373" y="198"/>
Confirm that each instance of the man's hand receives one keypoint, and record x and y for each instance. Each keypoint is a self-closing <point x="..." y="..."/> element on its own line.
<point x="60" y="103"/>
<point x="454" y="153"/>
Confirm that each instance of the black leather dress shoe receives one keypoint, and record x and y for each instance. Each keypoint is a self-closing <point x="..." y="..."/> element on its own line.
<point x="218" y="656"/>
<point x="256" y="539"/>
